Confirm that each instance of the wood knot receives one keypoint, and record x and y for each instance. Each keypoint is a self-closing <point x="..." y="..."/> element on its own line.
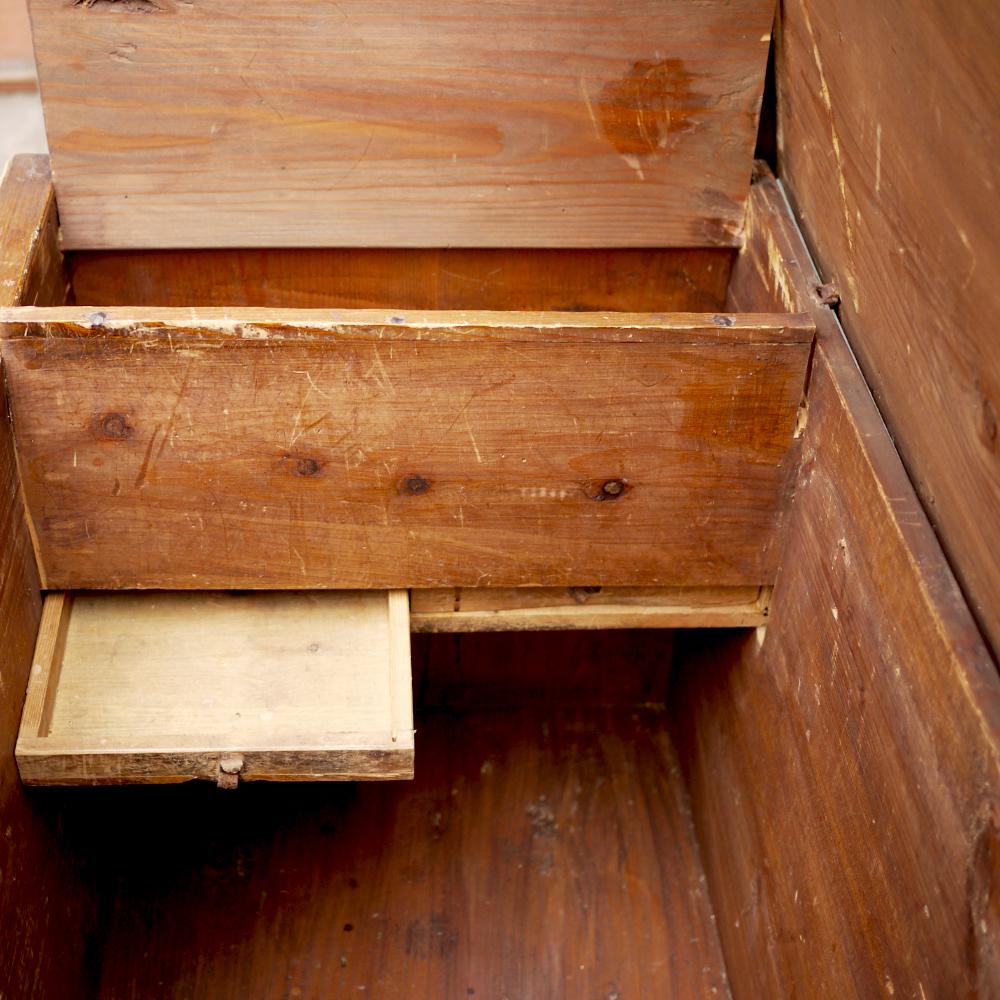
<point x="307" y="467"/>
<point x="413" y="485"/>
<point x="611" y="489"/>
<point x="114" y="426"/>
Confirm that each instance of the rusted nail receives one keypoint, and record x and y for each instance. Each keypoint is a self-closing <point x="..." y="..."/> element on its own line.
<point x="414" y="485"/>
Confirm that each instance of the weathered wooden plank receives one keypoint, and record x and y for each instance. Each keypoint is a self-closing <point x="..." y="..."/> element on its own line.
<point x="169" y="687"/>
<point x="622" y="279"/>
<point x="544" y="450"/>
<point x="894" y="171"/>
<point x="844" y="763"/>
<point x="437" y="123"/>
<point x="31" y="264"/>
<point x="498" y="609"/>
<point x="47" y="912"/>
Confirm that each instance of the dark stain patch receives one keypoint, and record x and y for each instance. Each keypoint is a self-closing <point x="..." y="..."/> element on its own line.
<point x="413" y="485"/>
<point x="308" y="467"/>
<point x="112" y="427"/>
<point x="650" y="106"/>
<point x="301" y="465"/>
<point x="723" y="320"/>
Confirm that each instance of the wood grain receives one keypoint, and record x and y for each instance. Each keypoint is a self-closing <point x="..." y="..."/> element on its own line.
<point x="47" y="906"/>
<point x="892" y="169"/>
<point x="498" y="609"/>
<point x="623" y="279"/>
<point x="166" y="687"/>
<point x="844" y="763"/>
<point x="31" y="265"/>
<point x="436" y="123"/>
<point x="275" y="450"/>
<point x="534" y="855"/>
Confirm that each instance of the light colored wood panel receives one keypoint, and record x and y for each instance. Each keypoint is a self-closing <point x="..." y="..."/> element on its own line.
<point x="844" y="764"/>
<point x="541" y="450"/>
<point x="433" y="123"/>
<point x="457" y="609"/>
<point x="624" y="280"/>
<point x="889" y="142"/>
<point x="169" y="686"/>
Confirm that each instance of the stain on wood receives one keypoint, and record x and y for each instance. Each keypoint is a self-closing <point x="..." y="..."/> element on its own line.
<point x="437" y="124"/>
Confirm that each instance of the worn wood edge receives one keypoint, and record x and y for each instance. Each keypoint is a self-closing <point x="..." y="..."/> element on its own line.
<point x="661" y="612"/>
<point x="256" y="324"/>
<point x="26" y="200"/>
<point x="400" y="678"/>
<point x="55" y="768"/>
<point x="27" y="220"/>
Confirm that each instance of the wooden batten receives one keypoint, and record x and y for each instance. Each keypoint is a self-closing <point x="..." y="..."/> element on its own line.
<point x="169" y="687"/>
<point x="517" y="609"/>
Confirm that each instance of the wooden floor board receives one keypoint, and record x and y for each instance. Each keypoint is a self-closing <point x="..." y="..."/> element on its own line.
<point x="542" y="852"/>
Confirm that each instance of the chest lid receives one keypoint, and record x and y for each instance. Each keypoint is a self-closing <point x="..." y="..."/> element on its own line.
<point x="431" y="123"/>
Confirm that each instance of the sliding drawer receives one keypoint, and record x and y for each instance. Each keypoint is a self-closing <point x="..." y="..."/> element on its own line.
<point x="135" y="688"/>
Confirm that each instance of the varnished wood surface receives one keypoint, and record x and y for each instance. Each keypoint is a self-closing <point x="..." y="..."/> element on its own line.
<point x="626" y="280"/>
<point x="277" y="449"/>
<point x="844" y="763"/>
<point x="432" y="123"/>
<point x="47" y="904"/>
<point x="890" y="146"/>
<point x="539" y="853"/>
<point x="165" y="687"/>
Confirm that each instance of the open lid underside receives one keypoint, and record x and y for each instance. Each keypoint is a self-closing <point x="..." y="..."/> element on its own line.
<point x="543" y="123"/>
